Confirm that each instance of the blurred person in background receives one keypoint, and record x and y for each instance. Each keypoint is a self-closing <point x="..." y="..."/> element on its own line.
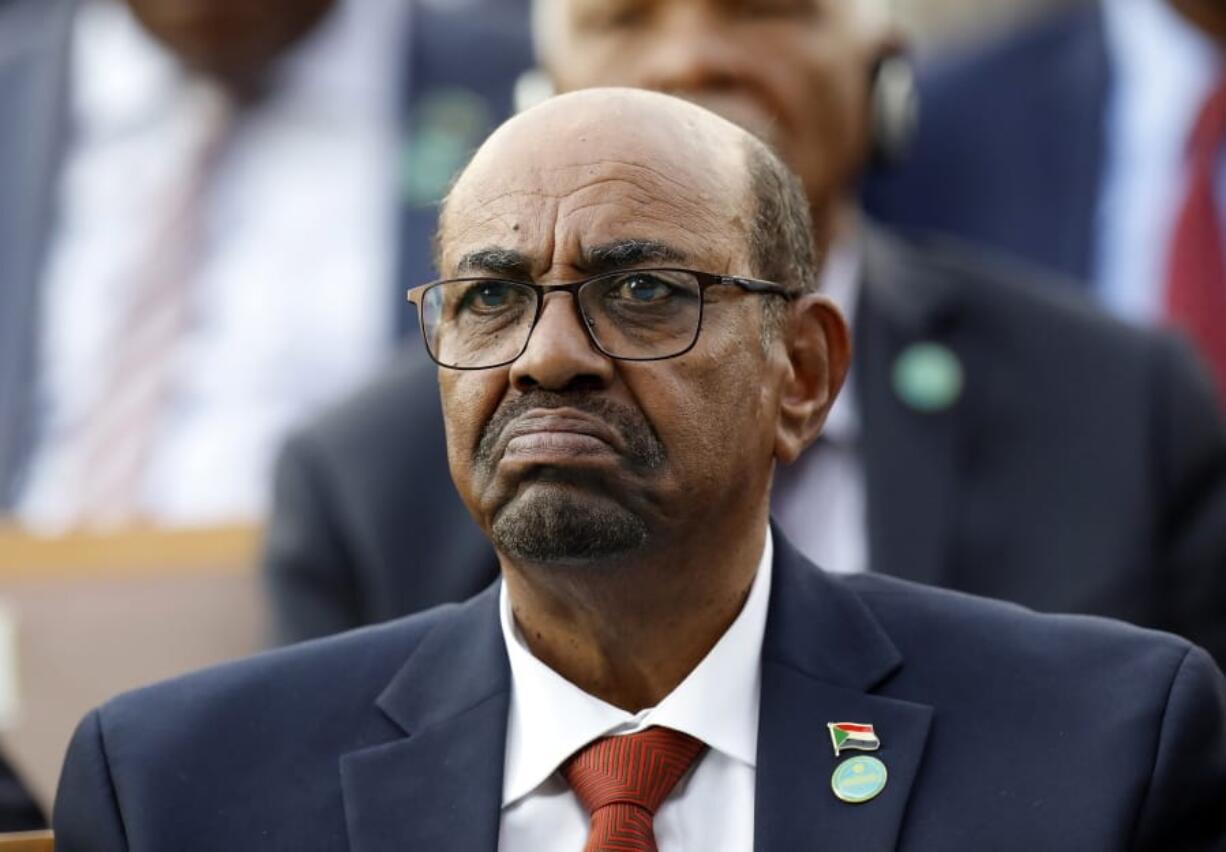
<point x="208" y="212"/>
<point x="1091" y="142"/>
<point x="997" y="436"/>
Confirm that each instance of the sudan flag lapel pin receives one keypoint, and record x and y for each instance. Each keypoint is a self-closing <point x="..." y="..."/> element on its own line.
<point x="857" y="779"/>
<point x="852" y="736"/>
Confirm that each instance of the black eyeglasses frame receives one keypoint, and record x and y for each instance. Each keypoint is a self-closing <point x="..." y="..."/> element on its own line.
<point x="706" y="280"/>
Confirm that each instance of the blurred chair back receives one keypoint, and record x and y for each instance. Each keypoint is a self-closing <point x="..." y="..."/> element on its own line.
<point x="86" y="616"/>
<point x="27" y="841"/>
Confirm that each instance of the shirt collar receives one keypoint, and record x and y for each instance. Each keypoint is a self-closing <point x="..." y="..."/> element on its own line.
<point x="1164" y="65"/>
<point x="550" y="718"/>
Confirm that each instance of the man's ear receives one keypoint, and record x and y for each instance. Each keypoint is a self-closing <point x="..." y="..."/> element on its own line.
<point x="819" y="353"/>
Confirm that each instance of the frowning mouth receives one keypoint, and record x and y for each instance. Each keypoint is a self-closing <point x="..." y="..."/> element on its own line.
<point x="558" y="434"/>
<point x="551" y="429"/>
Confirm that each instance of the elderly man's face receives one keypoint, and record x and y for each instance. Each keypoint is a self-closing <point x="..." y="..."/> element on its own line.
<point x="796" y="72"/>
<point x="230" y="38"/>
<point x="567" y="454"/>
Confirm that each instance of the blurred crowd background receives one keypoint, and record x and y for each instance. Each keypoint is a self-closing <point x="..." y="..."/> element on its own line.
<point x="191" y="269"/>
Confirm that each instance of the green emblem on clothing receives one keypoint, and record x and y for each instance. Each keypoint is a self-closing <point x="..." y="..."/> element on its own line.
<point x="858" y="779"/>
<point x="444" y="129"/>
<point x="928" y="377"/>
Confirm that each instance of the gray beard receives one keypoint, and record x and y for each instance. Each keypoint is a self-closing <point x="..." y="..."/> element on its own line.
<point x="554" y="526"/>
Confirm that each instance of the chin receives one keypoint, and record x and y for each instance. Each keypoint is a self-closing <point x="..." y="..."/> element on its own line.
<point x="551" y="523"/>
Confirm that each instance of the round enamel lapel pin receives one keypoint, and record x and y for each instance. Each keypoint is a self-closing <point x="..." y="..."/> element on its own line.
<point x="928" y="377"/>
<point x="858" y="779"/>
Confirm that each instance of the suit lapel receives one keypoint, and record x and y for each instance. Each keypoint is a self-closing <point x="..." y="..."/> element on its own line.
<point x="910" y="456"/>
<point x="34" y="43"/>
<point x="439" y="787"/>
<point x="822" y="654"/>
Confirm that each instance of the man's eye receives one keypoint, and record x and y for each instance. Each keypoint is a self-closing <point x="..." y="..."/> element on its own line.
<point x="607" y="15"/>
<point x="644" y="289"/>
<point x="774" y="8"/>
<point x="489" y="296"/>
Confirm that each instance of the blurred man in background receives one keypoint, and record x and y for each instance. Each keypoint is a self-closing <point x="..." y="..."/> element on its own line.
<point x="1092" y="143"/>
<point x="204" y="230"/>
<point x="996" y="437"/>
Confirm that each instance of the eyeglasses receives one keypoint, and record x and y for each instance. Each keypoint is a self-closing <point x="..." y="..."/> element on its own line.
<point x="631" y="315"/>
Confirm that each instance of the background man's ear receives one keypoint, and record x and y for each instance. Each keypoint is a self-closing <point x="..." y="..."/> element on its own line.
<point x="819" y="353"/>
<point x="533" y="87"/>
<point x="894" y="109"/>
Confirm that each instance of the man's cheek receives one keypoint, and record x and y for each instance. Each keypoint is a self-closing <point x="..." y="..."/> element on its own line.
<point x="469" y="401"/>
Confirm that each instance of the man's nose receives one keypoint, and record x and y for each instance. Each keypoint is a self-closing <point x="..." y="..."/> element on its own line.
<point x="560" y="355"/>
<point x="694" y="52"/>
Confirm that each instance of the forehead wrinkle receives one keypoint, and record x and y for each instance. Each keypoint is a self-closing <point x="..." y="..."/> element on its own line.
<point x="657" y="173"/>
<point x="665" y="211"/>
<point x="662" y="220"/>
<point x="684" y="202"/>
<point x="475" y="220"/>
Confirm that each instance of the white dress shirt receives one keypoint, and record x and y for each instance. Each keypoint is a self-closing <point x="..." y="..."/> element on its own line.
<point x="819" y="500"/>
<point x="292" y="292"/>
<point x="711" y="808"/>
<point x="1163" y="69"/>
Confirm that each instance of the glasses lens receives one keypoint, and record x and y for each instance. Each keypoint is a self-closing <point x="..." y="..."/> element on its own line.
<point x="477" y="323"/>
<point x="645" y="313"/>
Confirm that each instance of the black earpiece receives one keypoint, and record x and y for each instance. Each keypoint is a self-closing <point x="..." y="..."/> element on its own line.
<point x="894" y="109"/>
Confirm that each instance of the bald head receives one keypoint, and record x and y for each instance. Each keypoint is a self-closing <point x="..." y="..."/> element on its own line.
<point x="571" y="152"/>
<point x="629" y="162"/>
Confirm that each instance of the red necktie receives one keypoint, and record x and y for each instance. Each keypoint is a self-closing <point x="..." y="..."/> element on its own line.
<point x="1196" y="283"/>
<point x="623" y="780"/>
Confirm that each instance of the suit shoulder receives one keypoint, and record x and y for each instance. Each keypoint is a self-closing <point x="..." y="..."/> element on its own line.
<point x="1003" y="637"/>
<point x="357" y="447"/>
<point x="402" y="396"/>
<point x="1001" y="292"/>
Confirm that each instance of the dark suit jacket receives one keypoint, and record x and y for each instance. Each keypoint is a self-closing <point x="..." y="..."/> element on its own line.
<point x="1010" y="145"/>
<point x="459" y="75"/>
<point x="1083" y="469"/>
<point x="1000" y="729"/>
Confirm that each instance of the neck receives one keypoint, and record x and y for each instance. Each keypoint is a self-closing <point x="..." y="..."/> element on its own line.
<point x="629" y="633"/>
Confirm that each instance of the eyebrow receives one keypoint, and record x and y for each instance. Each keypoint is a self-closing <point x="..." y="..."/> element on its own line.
<point x="606" y="257"/>
<point x="621" y="254"/>
<point x="493" y="260"/>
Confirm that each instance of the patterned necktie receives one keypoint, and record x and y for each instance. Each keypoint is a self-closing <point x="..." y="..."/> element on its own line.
<point x="622" y="781"/>
<point x="1196" y="282"/>
<point x="115" y="442"/>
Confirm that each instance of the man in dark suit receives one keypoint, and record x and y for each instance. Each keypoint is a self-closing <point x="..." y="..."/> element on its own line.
<point x="1075" y="143"/>
<point x="1007" y="440"/>
<point x="1009" y="147"/>
<point x="451" y="74"/>
<point x="657" y="667"/>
